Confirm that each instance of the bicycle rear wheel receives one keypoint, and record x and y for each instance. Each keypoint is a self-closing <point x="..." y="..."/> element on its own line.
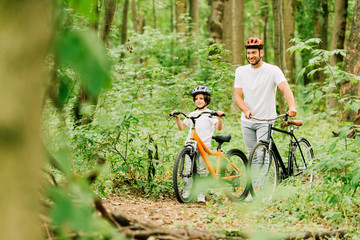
<point x="301" y="164"/>
<point x="264" y="169"/>
<point x="183" y="176"/>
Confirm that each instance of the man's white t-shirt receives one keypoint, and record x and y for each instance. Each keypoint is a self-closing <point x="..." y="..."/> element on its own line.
<point x="204" y="126"/>
<point x="259" y="88"/>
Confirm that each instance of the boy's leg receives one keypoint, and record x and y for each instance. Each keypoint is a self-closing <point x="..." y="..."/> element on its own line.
<point x="203" y="172"/>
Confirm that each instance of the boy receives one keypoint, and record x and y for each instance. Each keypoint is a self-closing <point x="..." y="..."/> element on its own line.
<point x="204" y="127"/>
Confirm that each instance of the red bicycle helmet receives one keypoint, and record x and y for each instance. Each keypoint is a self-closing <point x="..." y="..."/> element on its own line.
<point x="254" y="42"/>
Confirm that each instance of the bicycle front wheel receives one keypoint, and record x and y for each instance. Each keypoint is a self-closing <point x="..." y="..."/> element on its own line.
<point x="264" y="169"/>
<point x="183" y="176"/>
<point x="302" y="159"/>
<point x="234" y="175"/>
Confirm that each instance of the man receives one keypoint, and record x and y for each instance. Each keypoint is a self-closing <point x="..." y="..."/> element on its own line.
<point x="255" y="92"/>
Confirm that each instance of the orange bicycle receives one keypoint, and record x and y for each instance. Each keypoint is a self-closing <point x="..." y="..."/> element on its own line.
<point x="230" y="170"/>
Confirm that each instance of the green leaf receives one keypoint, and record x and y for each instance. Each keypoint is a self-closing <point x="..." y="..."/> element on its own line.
<point x="332" y="146"/>
<point x="85" y="54"/>
<point x="357" y="141"/>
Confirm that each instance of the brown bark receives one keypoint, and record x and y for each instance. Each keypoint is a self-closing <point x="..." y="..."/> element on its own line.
<point x="215" y="24"/>
<point x="124" y="22"/>
<point x="110" y="8"/>
<point x="24" y="45"/>
<point x="265" y="14"/>
<point x="279" y="45"/>
<point x="352" y="65"/>
<point x="289" y="32"/>
<point x="238" y="32"/>
<point x="180" y="11"/>
<point x="134" y="16"/>
<point x="194" y="14"/>
<point x="227" y="34"/>
<point x="337" y="40"/>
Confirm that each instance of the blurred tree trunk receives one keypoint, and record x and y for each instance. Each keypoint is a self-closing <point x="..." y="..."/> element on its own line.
<point x="265" y="14"/>
<point x="320" y="23"/>
<point x="256" y="20"/>
<point x="194" y="14"/>
<point x="279" y="47"/>
<point x="124" y="22"/>
<point x="337" y="41"/>
<point x="110" y="8"/>
<point x="215" y="24"/>
<point x="227" y="33"/>
<point x="180" y="11"/>
<point x="238" y="32"/>
<point x="289" y="31"/>
<point x="154" y="13"/>
<point x="134" y="15"/>
<point x="352" y="65"/>
<point x="94" y="21"/>
<point x="26" y="36"/>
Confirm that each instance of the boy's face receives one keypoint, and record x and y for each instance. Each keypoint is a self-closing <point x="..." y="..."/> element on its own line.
<point x="199" y="100"/>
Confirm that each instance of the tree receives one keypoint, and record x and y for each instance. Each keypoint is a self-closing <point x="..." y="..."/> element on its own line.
<point x="24" y="45"/>
<point x="238" y="31"/>
<point x="110" y="8"/>
<point x="265" y="14"/>
<point x="134" y="15"/>
<point x="94" y="21"/>
<point x="350" y="89"/>
<point x="124" y="22"/>
<point x="215" y="24"/>
<point x="338" y="39"/>
<point x="194" y="14"/>
<point x="227" y="33"/>
<point x="279" y="44"/>
<point x="180" y="10"/>
<point x="289" y="32"/>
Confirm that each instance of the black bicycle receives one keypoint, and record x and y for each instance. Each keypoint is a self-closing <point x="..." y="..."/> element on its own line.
<point x="267" y="166"/>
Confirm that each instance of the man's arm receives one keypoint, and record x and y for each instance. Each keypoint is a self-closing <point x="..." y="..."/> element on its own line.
<point x="284" y="87"/>
<point x="239" y="95"/>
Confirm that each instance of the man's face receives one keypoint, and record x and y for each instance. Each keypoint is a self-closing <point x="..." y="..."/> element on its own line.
<point x="254" y="55"/>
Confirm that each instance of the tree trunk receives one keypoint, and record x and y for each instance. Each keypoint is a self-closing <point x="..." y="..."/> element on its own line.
<point x="279" y="47"/>
<point x="337" y="42"/>
<point x="180" y="11"/>
<point x="352" y="65"/>
<point x="194" y="14"/>
<point x="256" y="31"/>
<point x="227" y="34"/>
<point x="320" y="20"/>
<point x="238" y="32"/>
<point x="265" y="14"/>
<point x="24" y="45"/>
<point x="94" y="21"/>
<point x="124" y="22"/>
<point x="134" y="16"/>
<point x="289" y="31"/>
<point x="215" y="24"/>
<point x="154" y="13"/>
<point x="110" y="7"/>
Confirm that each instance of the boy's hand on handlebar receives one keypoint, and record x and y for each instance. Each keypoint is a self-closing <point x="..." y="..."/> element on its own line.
<point x="174" y="113"/>
<point x="292" y="112"/>
<point x="220" y="114"/>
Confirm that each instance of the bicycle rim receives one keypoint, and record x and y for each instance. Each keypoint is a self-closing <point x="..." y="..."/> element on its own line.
<point x="183" y="177"/>
<point x="301" y="164"/>
<point x="235" y="181"/>
<point x="264" y="169"/>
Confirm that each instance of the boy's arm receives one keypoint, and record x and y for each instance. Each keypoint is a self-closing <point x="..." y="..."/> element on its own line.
<point x="179" y="123"/>
<point x="218" y="125"/>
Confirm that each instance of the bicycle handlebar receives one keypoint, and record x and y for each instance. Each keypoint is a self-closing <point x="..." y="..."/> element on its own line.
<point x="272" y="119"/>
<point x="212" y="113"/>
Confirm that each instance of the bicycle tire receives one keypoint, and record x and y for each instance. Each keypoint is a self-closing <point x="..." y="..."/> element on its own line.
<point x="235" y="184"/>
<point x="183" y="176"/>
<point x="264" y="175"/>
<point x="299" y="164"/>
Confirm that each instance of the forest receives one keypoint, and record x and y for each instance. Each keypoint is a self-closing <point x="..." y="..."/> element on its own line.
<point x="87" y="145"/>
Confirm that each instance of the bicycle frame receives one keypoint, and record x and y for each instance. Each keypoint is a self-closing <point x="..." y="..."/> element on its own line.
<point x="203" y="150"/>
<point x="287" y="171"/>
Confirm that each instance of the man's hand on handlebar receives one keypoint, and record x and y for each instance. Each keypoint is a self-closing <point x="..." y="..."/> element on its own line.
<point x="248" y="114"/>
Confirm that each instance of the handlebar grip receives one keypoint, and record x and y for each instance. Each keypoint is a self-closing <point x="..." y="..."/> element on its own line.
<point x="174" y="115"/>
<point x="213" y="113"/>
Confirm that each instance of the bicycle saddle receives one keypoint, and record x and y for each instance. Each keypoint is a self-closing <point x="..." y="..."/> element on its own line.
<point x="295" y="122"/>
<point x="222" y="138"/>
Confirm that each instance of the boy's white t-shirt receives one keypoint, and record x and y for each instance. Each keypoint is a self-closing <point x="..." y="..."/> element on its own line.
<point x="204" y="126"/>
<point x="259" y="88"/>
